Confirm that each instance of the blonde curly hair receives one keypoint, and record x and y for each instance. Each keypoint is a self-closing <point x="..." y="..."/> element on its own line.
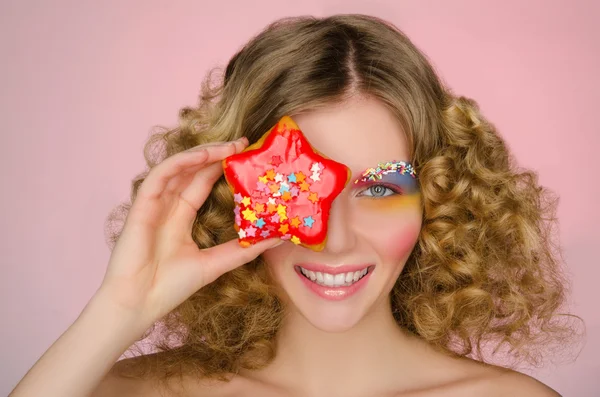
<point x="484" y="269"/>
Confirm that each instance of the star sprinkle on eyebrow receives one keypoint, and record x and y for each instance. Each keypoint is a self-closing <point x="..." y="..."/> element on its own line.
<point x="375" y="174"/>
<point x="283" y="188"/>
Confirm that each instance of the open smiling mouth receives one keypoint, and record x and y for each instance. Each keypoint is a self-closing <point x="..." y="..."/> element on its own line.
<point x="324" y="279"/>
<point x="338" y="286"/>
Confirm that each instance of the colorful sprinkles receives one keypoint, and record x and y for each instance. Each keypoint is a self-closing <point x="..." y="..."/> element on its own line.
<point x="375" y="174"/>
<point x="268" y="211"/>
<point x="283" y="188"/>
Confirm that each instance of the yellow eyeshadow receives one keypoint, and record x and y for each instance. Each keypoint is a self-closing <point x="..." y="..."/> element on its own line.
<point x="391" y="203"/>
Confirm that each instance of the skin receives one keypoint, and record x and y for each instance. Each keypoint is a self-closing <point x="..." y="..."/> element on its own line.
<point x="314" y="355"/>
<point x="350" y="348"/>
<point x="354" y="347"/>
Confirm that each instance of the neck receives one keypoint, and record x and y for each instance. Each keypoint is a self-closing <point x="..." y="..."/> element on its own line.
<point x="375" y="354"/>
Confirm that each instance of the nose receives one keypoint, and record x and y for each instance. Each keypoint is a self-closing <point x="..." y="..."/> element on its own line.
<point x="340" y="233"/>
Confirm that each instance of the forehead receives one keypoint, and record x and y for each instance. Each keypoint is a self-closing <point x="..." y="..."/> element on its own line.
<point x="359" y="133"/>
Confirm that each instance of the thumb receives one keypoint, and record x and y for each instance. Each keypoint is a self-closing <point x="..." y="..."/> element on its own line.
<point x="227" y="256"/>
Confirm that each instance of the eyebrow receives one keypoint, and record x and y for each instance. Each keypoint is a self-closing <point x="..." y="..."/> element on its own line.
<point x="382" y="169"/>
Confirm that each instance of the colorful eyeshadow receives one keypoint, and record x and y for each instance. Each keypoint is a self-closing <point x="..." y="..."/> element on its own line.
<point x="394" y="167"/>
<point x="398" y="173"/>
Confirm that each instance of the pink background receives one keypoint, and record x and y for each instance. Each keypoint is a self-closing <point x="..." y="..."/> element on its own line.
<point x="82" y="85"/>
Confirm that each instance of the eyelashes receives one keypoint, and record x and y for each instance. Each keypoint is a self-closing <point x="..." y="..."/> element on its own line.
<point x="379" y="190"/>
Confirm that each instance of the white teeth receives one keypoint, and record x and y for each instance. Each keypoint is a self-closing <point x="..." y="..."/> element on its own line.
<point x="339" y="279"/>
<point x="349" y="277"/>
<point x="331" y="280"/>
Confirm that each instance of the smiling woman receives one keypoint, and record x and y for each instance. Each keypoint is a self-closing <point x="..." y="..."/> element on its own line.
<point x="438" y="248"/>
<point x="366" y="233"/>
<point x="456" y="260"/>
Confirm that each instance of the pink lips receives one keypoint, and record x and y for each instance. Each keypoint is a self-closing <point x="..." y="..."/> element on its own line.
<point x="335" y="293"/>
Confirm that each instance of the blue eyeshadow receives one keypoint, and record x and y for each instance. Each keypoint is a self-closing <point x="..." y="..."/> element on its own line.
<point x="405" y="181"/>
<point x="399" y="173"/>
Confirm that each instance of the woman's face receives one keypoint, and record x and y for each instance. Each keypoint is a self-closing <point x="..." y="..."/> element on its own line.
<point x="370" y="226"/>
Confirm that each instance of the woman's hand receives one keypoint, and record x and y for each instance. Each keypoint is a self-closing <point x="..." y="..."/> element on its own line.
<point x="156" y="264"/>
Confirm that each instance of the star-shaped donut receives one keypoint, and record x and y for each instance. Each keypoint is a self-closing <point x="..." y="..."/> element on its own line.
<point x="283" y="187"/>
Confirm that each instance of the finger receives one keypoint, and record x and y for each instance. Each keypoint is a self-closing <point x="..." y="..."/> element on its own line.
<point x="202" y="176"/>
<point x="218" y="260"/>
<point x="208" y="145"/>
<point x="240" y="142"/>
<point x="209" y="264"/>
<point x="177" y="184"/>
<point x="159" y="176"/>
<point x="216" y="154"/>
<point x="196" y="192"/>
<point x="180" y="181"/>
<point x="148" y="198"/>
<point x="199" y="189"/>
<point x="192" y="198"/>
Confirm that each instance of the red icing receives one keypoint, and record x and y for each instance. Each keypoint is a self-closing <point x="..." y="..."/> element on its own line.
<point x="281" y="184"/>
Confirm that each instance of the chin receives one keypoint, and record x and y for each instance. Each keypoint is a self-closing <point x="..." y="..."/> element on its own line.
<point x="332" y="319"/>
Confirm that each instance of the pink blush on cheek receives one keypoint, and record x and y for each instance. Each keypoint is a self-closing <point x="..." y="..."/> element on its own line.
<point x="399" y="243"/>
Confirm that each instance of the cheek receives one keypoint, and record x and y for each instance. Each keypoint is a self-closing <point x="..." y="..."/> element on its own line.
<point x="277" y="259"/>
<point x="400" y="242"/>
<point x="393" y="224"/>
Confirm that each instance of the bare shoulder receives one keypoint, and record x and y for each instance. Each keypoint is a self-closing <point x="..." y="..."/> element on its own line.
<point x="512" y="383"/>
<point x="465" y="377"/>
<point x="130" y="377"/>
<point x="116" y="384"/>
<point x="120" y="382"/>
<point x="494" y="381"/>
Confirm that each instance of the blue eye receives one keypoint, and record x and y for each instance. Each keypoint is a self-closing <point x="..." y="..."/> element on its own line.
<point x="378" y="190"/>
